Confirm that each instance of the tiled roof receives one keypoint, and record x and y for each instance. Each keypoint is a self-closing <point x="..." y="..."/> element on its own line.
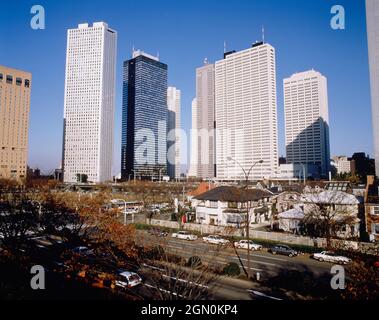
<point x="234" y="194"/>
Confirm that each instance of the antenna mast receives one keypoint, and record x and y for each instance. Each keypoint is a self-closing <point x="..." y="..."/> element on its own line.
<point x="263" y="34"/>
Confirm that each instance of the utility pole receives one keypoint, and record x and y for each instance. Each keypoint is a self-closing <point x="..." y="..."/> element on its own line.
<point x="247" y="221"/>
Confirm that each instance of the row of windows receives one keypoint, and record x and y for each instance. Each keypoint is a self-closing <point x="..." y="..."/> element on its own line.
<point x="9" y="80"/>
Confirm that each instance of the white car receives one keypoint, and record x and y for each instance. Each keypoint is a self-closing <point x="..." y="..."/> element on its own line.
<point x="128" y="279"/>
<point x="244" y="244"/>
<point x="184" y="235"/>
<point x="216" y="240"/>
<point x="329" y="256"/>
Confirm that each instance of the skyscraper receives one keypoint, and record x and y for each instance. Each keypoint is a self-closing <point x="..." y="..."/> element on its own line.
<point x="372" y="13"/>
<point x="89" y="102"/>
<point x="144" y="117"/>
<point x="15" y="87"/>
<point x="205" y="106"/>
<point x="246" y="115"/>
<point x="194" y="140"/>
<point x="173" y="130"/>
<point x="307" y="122"/>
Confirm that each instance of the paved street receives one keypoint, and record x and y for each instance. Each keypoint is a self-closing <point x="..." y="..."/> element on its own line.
<point x="262" y="262"/>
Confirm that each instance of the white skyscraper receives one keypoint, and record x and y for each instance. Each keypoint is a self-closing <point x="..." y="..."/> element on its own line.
<point x="372" y="9"/>
<point x="194" y="141"/>
<point x="307" y="122"/>
<point x="205" y="111"/>
<point x="246" y="115"/>
<point x="89" y="102"/>
<point x="173" y="127"/>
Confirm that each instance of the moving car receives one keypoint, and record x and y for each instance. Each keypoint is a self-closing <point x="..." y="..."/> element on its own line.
<point x="128" y="279"/>
<point x="283" y="250"/>
<point x="184" y="235"/>
<point x="329" y="256"/>
<point x="215" y="239"/>
<point x="248" y="244"/>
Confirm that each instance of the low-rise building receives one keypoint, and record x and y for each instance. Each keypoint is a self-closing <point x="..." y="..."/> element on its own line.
<point x="342" y="164"/>
<point x="333" y="208"/>
<point x="228" y="206"/>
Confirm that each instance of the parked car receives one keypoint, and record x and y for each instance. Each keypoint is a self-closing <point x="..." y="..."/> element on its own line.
<point x="215" y="239"/>
<point x="330" y="256"/>
<point x="184" y="235"/>
<point x="158" y="233"/>
<point x="82" y="251"/>
<point x="284" y="250"/>
<point x="248" y="244"/>
<point x="128" y="279"/>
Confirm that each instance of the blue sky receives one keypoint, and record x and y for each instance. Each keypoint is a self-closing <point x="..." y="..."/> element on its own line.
<point x="184" y="33"/>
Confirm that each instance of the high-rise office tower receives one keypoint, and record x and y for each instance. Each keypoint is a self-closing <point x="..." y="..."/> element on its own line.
<point x="89" y="103"/>
<point x="173" y="131"/>
<point x="15" y="86"/>
<point x="144" y="117"/>
<point x="205" y="105"/>
<point x="246" y="115"/>
<point x="194" y="141"/>
<point x="307" y="122"/>
<point x="372" y="13"/>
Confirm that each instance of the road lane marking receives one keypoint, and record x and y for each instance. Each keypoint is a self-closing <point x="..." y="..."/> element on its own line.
<point x="254" y="261"/>
<point x="261" y="294"/>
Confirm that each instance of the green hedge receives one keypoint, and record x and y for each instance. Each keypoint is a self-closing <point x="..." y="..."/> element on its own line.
<point x="232" y="269"/>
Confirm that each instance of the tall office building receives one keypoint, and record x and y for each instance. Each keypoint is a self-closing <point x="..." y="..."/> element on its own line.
<point x="205" y="105"/>
<point x="144" y="117"/>
<point x="89" y="103"/>
<point x="246" y="115"/>
<point x="307" y="122"/>
<point x="372" y="9"/>
<point x="173" y="131"/>
<point x="15" y="86"/>
<point x="194" y="140"/>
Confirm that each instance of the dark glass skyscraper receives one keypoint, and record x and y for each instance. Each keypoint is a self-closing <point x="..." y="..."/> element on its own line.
<point x="144" y="117"/>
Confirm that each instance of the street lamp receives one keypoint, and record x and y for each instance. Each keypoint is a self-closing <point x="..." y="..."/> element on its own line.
<point x="118" y="200"/>
<point x="247" y="222"/>
<point x="160" y="174"/>
<point x="134" y="172"/>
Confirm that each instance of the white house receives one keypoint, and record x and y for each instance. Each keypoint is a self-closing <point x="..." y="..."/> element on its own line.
<point x="227" y="206"/>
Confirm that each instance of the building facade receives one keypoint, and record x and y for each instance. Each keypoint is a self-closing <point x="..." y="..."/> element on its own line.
<point x="246" y="114"/>
<point x="204" y="164"/>
<point x="89" y="103"/>
<point x="173" y="132"/>
<point x="15" y="87"/>
<point x="372" y="9"/>
<point x="307" y="121"/>
<point x="144" y="118"/>
<point x="342" y="164"/>
<point x="192" y="172"/>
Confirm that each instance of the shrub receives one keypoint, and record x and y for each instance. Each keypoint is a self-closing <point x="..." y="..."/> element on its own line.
<point x="194" y="262"/>
<point x="232" y="269"/>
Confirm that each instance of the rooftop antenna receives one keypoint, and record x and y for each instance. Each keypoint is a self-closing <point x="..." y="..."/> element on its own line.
<point x="158" y="55"/>
<point x="263" y="34"/>
<point x="133" y="49"/>
<point x="224" y="46"/>
<point x="206" y="61"/>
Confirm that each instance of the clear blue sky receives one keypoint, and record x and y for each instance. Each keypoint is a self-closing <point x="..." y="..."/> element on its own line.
<point x="184" y="33"/>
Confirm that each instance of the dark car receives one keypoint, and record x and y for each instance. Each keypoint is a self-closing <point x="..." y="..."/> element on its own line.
<point x="158" y="233"/>
<point x="284" y="250"/>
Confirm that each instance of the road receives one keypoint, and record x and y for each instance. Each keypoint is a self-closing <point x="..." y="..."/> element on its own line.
<point x="262" y="264"/>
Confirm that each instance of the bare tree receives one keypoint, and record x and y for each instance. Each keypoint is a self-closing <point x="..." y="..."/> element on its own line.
<point x="328" y="213"/>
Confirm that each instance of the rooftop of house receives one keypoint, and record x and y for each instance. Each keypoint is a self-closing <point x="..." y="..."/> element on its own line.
<point x="202" y="188"/>
<point x="233" y="194"/>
